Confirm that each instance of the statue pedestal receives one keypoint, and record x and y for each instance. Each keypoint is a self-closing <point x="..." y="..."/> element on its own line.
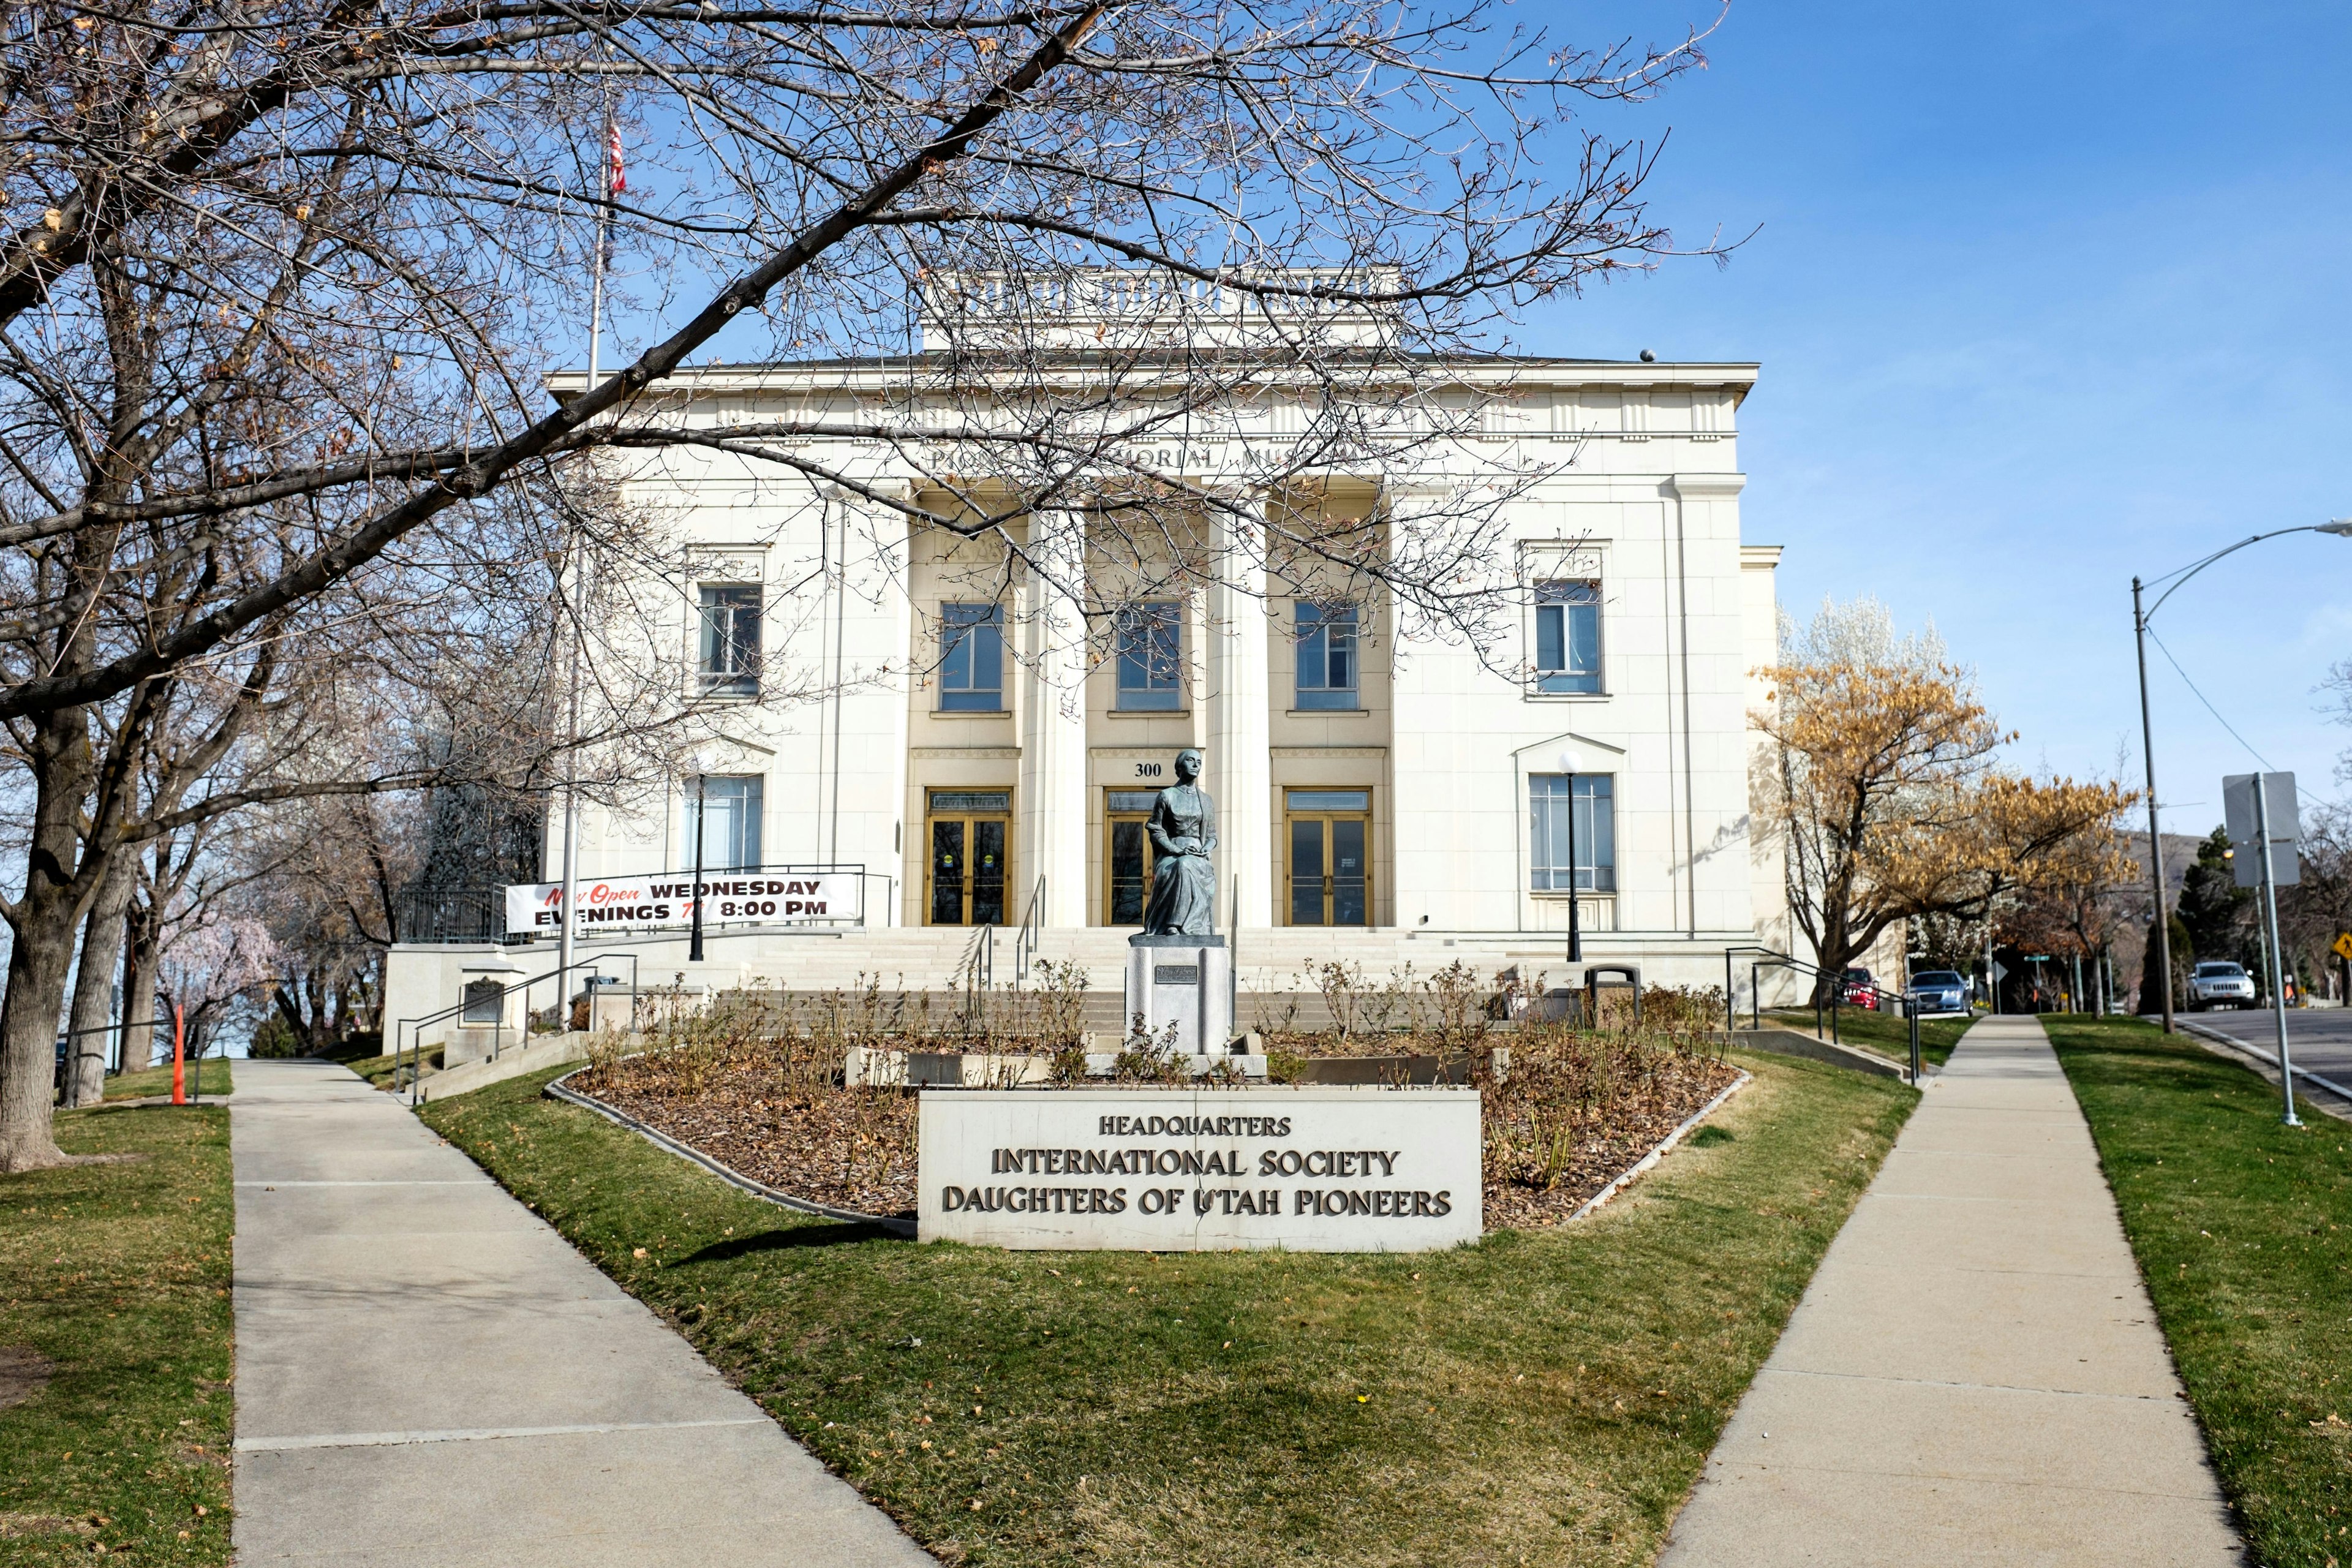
<point x="1187" y="981"/>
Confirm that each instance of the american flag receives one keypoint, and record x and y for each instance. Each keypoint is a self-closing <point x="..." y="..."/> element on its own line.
<point x="617" y="177"/>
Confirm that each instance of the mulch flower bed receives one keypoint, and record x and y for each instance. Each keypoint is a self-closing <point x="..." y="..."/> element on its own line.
<point x="1547" y="1154"/>
<point x="1518" y="1195"/>
<point x="853" y="1149"/>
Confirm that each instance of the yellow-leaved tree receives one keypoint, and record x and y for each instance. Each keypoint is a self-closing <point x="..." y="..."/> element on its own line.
<point x="1878" y="785"/>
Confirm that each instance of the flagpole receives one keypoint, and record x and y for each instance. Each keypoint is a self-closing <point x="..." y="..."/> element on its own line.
<point x="576" y="565"/>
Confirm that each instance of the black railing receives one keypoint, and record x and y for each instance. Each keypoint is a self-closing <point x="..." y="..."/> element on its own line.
<point x="453" y="914"/>
<point x="1838" y="990"/>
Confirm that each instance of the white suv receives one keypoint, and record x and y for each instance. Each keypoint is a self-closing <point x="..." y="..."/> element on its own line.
<point x="2219" y="985"/>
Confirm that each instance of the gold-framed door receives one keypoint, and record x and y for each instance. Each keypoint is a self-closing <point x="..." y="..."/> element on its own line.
<point x="968" y="856"/>
<point x="1127" y="854"/>
<point x="1327" y="871"/>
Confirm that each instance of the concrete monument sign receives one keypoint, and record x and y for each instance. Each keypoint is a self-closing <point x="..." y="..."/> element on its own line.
<point x="1313" y="1169"/>
<point x="1180" y="974"/>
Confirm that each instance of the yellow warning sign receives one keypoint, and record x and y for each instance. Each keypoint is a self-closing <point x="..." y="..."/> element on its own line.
<point x="2343" y="945"/>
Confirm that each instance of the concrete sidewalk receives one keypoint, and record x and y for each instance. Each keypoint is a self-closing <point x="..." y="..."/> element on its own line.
<point x="1975" y="1374"/>
<point x="427" y="1374"/>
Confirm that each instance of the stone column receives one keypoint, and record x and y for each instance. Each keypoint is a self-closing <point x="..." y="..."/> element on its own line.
<point x="1238" y="771"/>
<point x="1052" y="816"/>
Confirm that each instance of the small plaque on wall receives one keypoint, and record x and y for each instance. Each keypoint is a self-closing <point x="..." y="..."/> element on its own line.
<point x="1175" y="974"/>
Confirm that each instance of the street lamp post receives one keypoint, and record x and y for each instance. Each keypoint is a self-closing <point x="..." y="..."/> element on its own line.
<point x="702" y="794"/>
<point x="2160" y="929"/>
<point x="1568" y="764"/>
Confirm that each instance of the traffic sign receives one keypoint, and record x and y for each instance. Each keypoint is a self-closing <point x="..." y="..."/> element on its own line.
<point x="2343" y="945"/>
<point x="2279" y="806"/>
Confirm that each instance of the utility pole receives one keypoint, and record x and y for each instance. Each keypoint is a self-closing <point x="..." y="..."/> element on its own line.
<point x="2159" y="931"/>
<point x="2160" y="928"/>
<point x="575" y="560"/>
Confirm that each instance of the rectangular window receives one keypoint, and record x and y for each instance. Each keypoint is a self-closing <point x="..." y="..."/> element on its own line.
<point x="972" y="658"/>
<point x="726" y="653"/>
<point x="1587" y="815"/>
<point x="1149" y="649"/>
<point x="726" y="824"/>
<point x="1567" y="637"/>
<point x="1326" y="656"/>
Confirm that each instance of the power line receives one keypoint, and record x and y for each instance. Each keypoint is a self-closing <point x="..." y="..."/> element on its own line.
<point x="2268" y="766"/>
<point x="2209" y="706"/>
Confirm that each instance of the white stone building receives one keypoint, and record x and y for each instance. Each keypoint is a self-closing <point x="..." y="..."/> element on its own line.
<point x="1379" y="802"/>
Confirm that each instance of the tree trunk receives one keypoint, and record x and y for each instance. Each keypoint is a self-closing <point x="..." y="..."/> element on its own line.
<point x="41" y="957"/>
<point x="142" y="973"/>
<point x="93" y="996"/>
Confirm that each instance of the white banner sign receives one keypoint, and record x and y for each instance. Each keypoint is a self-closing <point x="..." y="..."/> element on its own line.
<point x="665" y="902"/>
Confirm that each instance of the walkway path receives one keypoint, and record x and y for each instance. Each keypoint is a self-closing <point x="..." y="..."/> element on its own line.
<point x="1975" y="1374"/>
<point x="427" y="1374"/>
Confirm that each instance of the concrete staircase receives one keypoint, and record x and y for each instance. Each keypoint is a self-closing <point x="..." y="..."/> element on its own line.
<point x="919" y="958"/>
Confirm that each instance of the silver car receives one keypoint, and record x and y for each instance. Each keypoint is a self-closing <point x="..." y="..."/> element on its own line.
<point x="1939" y="991"/>
<point x="2219" y="984"/>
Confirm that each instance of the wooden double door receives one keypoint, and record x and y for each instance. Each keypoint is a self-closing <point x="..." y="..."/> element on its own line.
<point x="1328" y="861"/>
<point x="970" y="834"/>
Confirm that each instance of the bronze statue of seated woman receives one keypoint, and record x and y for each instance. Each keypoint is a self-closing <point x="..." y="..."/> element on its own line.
<point x="1183" y="830"/>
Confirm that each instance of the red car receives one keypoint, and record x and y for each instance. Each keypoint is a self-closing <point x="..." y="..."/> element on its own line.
<point x="1860" y="990"/>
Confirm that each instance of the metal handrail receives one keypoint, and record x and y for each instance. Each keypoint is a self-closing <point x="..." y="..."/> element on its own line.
<point x="1772" y="958"/>
<point x="980" y="965"/>
<point x="1033" y="931"/>
<point x="416" y="1040"/>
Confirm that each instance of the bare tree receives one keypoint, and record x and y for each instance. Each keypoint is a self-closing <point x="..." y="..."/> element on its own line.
<point x="274" y="291"/>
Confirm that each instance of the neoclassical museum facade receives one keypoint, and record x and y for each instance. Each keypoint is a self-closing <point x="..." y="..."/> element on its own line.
<point x="885" y="704"/>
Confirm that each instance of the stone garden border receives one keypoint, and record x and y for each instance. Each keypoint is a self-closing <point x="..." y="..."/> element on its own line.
<point x="1624" y="1178"/>
<point x="725" y="1172"/>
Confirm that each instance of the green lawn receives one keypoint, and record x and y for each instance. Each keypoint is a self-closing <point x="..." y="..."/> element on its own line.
<point x="1542" y="1397"/>
<point x="377" y="1070"/>
<point x="140" y="1082"/>
<point x="1884" y="1033"/>
<point x="118" y="1275"/>
<point x="2242" y="1226"/>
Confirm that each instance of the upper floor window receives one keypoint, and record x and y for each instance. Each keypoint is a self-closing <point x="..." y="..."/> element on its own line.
<point x="1149" y="653"/>
<point x="1572" y="833"/>
<point x="972" y="658"/>
<point x="727" y="652"/>
<point x="1326" y="656"/>
<point x="1567" y="637"/>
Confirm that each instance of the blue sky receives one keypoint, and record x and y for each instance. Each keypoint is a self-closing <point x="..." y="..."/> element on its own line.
<point x="2044" y="296"/>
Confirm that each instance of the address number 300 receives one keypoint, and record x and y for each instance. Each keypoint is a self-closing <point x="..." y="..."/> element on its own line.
<point x="1147" y="770"/>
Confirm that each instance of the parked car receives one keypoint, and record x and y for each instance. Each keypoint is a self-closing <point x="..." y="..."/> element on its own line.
<point x="2219" y="984"/>
<point x="1939" y="991"/>
<point x="1860" y="991"/>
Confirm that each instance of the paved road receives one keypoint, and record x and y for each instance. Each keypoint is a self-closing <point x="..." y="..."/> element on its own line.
<point x="428" y="1374"/>
<point x="1975" y="1375"/>
<point x="2319" y="1039"/>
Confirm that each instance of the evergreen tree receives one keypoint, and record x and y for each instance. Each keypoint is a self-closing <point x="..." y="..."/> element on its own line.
<point x="2218" y="913"/>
